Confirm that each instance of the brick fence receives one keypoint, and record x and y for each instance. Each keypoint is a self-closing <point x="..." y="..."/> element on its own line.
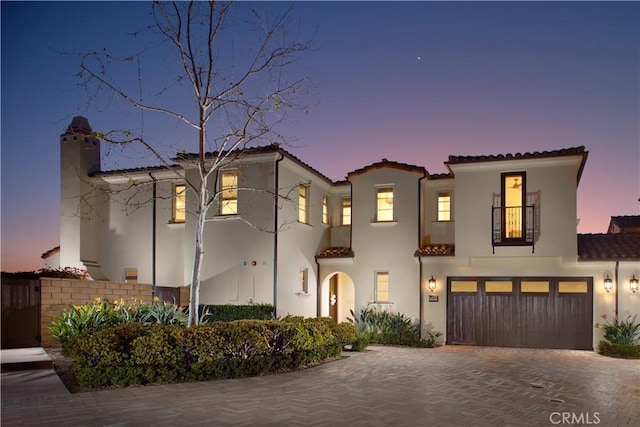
<point x="59" y="294"/>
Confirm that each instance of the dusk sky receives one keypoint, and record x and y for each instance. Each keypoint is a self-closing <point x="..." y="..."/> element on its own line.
<point x="411" y="82"/>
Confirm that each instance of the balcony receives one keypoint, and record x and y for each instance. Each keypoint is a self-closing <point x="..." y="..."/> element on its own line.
<point x="513" y="226"/>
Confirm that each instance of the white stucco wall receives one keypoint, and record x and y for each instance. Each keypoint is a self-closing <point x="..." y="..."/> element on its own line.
<point x="381" y="246"/>
<point x="555" y="179"/>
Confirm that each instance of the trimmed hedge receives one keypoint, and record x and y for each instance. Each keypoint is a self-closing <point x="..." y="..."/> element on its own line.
<point x="623" y="351"/>
<point x="133" y="354"/>
<point x="229" y="313"/>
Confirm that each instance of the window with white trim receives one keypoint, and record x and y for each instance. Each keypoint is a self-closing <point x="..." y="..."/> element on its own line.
<point x="346" y="211"/>
<point x="444" y="206"/>
<point x="303" y="204"/>
<point x="325" y="209"/>
<point x="382" y="286"/>
<point x="179" y="200"/>
<point x="303" y="281"/>
<point x="384" y="204"/>
<point x="228" y="193"/>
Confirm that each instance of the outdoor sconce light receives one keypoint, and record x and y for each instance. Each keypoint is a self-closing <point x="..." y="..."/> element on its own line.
<point x="432" y="284"/>
<point x="608" y="284"/>
<point x="633" y="284"/>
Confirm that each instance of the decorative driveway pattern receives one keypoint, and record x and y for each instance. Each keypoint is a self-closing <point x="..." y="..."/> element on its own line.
<point x="385" y="386"/>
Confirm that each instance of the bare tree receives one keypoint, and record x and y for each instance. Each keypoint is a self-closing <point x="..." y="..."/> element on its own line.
<point x="238" y="95"/>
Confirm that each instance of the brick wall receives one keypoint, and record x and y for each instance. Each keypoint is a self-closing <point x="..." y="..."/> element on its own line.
<point x="58" y="294"/>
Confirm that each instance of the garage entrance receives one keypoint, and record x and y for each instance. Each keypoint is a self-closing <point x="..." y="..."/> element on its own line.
<point x="521" y="312"/>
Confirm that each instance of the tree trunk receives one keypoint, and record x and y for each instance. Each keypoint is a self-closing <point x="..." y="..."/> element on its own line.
<point x="198" y="256"/>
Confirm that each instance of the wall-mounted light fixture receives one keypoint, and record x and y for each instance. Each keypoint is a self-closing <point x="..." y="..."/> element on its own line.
<point x="608" y="283"/>
<point x="432" y="284"/>
<point x="633" y="284"/>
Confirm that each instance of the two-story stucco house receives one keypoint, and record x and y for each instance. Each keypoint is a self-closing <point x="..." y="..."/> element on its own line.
<point x="487" y="253"/>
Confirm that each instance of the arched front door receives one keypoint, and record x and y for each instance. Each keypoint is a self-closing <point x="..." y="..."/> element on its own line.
<point x="338" y="297"/>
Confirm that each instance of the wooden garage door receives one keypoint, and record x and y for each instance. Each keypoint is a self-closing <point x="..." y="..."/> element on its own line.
<point x="521" y="312"/>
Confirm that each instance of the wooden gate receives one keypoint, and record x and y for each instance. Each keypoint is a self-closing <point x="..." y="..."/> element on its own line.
<point x="168" y="294"/>
<point x="521" y="312"/>
<point x="20" y="313"/>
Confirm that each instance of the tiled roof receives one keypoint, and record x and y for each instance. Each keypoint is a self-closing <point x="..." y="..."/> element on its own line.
<point x="336" y="253"/>
<point x="574" y="151"/>
<point x="609" y="247"/>
<point x="272" y="148"/>
<point x="440" y="176"/>
<point x="131" y="171"/>
<point x="535" y="155"/>
<point x="389" y="164"/>
<point x="626" y="221"/>
<point x="436" y="249"/>
<point x="50" y="252"/>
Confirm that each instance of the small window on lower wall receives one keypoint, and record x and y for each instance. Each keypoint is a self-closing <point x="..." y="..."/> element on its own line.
<point x="464" y="286"/>
<point x="534" y="286"/>
<point x="498" y="286"/>
<point x="131" y="275"/>
<point x="572" y="287"/>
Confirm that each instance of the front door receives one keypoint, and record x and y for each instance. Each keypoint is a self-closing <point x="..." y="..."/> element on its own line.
<point x="333" y="298"/>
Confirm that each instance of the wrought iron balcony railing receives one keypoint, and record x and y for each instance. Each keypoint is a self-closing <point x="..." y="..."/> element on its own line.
<point x="513" y="226"/>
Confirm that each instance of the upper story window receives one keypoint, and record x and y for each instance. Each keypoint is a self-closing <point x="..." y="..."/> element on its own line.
<point x="346" y="211"/>
<point x="382" y="286"/>
<point x="179" y="200"/>
<point x="325" y="209"/>
<point x="513" y="204"/>
<point x="384" y="203"/>
<point x="229" y="193"/>
<point x="444" y="206"/>
<point x="303" y="204"/>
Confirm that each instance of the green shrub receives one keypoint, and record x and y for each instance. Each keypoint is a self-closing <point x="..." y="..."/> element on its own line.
<point x="82" y="319"/>
<point x="229" y="313"/>
<point x="138" y="353"/>
<point x="386" y="328"/>
<point x="345" y="333"/>
<point x="361" y="342"/>
<point x="101" y="314"/>
<point x="625" y="331"/>
<point x="625" y="351"/>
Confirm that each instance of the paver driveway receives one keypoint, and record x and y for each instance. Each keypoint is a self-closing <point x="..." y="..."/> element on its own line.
<point x="386" y="386"/>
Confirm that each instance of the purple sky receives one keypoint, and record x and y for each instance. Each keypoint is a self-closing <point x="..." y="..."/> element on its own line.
<point x="411" y="82"/>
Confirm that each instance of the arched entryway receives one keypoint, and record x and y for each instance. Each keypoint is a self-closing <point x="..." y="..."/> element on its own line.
<point x="337" y="297"/>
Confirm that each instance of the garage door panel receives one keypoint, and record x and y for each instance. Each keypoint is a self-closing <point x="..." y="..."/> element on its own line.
<point x="538" y="313"/>
<point x="461" y="322"/>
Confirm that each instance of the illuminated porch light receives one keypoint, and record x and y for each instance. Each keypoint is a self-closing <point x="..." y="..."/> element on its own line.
<point x="608" y="284"/>
<point x="633" y="284"/>
<point x="432" y="284"/>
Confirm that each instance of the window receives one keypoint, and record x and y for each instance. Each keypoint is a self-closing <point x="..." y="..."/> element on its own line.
<point x="495" y="286"/>
<point x="346" y="211"/>
<point x="513" y="204"/>
<point x="534" y="286"/>
<point x="385" y="204"/>
<point x="382" y="286"/>
<point x="303" y="281"/>
<point x="131" y="275"/>
<point x="325" y="210"/>
<point x="303" y="204"/>
<point x="573" y="287"/>
<point x="179" y="203"/>
<point x="464" y="286"/>
<point x="229" y="191"/>
<point x="444" y="206"/>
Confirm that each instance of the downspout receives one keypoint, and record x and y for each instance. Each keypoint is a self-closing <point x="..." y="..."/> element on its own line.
<point x="153" y="236"/>
<point x="275" y="231"/>
<point x="617" y="287"/>
<point x="318" y="289"/>
<point x="351" y="225"/>
<point x="421" y="299"/>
